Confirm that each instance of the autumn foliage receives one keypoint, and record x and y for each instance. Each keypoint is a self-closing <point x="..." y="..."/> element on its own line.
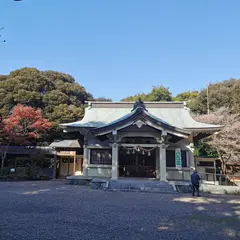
<point x="21" y="127"/>
<point x="226" y="141"/>
<point x="25" y="123"/>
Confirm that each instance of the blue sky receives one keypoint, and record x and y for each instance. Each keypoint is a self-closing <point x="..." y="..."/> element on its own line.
<point x="117" y="48"/>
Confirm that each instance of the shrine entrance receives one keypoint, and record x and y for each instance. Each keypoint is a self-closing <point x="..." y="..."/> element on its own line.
<point x="137" y="162"/>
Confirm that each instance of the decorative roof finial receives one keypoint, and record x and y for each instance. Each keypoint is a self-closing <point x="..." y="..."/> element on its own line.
<point x="139" y="104"/>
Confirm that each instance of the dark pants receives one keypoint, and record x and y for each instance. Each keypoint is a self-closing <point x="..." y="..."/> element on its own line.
<point x="195" y="188"/>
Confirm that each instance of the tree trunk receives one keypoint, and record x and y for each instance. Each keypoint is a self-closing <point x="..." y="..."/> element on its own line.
<point x="2" y="163"/>
<point x="222" y="161"/>
<point x="3" y="156"/>
<point x="224" y="168"/>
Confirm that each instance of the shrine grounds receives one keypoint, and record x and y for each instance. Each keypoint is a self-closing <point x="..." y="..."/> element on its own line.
<point x="53" y="210"/>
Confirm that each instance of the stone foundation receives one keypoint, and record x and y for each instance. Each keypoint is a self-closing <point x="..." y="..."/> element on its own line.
<point x="216" y="189"/>
<point x="141" y="185"/>
<point x="78" y="180"/>
<point x="129" y="185"/>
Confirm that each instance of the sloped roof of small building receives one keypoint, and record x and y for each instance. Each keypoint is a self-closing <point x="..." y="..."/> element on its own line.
<point x="99" y="114"/>
<point x="65" y="144"/>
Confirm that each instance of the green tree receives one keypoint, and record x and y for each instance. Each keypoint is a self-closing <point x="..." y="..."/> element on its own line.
<point x="57" y="94"/>
<point x="203" y="148"/>
<point x="47" y="90"/>
<point x="135" y="98"/>
<point x="223" y="94"/>
<point x="65" y="113"/>
<point x="102" y="99"/>
<point x="158" y="94"/>
<point x="186" y="96"/>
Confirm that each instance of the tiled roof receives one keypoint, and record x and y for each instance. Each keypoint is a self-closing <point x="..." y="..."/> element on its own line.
<point x="175" y="114"/>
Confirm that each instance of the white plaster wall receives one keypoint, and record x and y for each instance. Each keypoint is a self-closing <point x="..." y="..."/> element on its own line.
<point x="187" y="175"/>
<point x="172" y="174"/>
<point x="100" y="172"/>
<point x="181" y="144"/>
<point x="178" y="174"/>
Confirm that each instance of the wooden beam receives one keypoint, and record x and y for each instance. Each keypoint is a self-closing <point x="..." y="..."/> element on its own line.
<point x="55" y="166"/>
<point x="136" y="145"/>
<point x="74" y="164"/>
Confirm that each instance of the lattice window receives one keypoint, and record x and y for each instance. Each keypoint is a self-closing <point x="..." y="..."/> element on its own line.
<point x="101" y="156"/>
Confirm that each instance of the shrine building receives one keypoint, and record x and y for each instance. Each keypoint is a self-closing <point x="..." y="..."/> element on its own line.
<point x="144" y="140"/>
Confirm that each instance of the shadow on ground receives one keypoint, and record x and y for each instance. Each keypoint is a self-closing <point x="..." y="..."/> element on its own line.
<point x="53" y="210"/>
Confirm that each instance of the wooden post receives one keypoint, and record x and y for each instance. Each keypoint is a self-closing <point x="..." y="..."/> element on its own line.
<point x="191" y="152"/>
<point x="115" y="161"/>
<point x="80" y="159"/>
<point x="74" y="164"/>
<point x="162" y="159"/>
<point x="157" y="155"/>
<point x="68" y="166"/>
<point x="214" y="175"/>
<point x="86" y="157"/>
<point x="55" y="165"/>
<point x="85" y="161"/>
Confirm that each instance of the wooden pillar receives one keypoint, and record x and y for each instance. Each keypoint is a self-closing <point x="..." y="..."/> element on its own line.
<point x="54" y="164"/>
<point x="191" y="152"/>
<point x="114" y="155"/>
<point x="214" y="175"/>
<point x="137" y="164"/>
<point x="162" y="158"/>
<point x="68" y="166"/>
<point x="115" y="161"/>
<point x="74" y="164"/>
<point x="85" y="161"/>
<point x="157" y="156"/>
<point x="80" y="163"/>
<point x="187" y="159"/>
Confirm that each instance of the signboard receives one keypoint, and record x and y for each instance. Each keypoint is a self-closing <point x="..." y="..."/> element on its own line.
<point x="178" y="158"/>
<point x="66" y="153"/>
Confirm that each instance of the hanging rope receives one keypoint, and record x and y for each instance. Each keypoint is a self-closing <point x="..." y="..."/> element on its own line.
<point x="137" y="148"/>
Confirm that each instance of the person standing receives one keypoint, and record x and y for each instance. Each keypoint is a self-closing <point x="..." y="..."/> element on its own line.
<point x="195" y="183"/>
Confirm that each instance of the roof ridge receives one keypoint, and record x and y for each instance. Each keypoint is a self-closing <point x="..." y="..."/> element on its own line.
<point x="153" y="102"/>
<point x="132" y="104"/>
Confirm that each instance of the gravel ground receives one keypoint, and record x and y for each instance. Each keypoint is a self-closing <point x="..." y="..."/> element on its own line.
<point x="53" y="210"/>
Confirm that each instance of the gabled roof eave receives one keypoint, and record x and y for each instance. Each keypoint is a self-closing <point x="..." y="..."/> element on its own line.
<point x="143" y="115"/>
<point x="206" y="129"/>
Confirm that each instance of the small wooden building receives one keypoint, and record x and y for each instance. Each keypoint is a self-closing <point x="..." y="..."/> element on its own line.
<point x="69" y="156"/>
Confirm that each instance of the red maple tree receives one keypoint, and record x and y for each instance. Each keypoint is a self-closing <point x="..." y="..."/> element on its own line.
<point x="21" y="127"/>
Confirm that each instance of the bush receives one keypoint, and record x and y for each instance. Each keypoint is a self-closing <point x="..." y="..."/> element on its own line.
<point x="5" y="171"/>
<point x="45" y="178"/>
<point x="14" y="177"/>
<point x="32" y="172"/>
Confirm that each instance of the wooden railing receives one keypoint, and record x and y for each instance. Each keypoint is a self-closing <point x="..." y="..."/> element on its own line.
<point x="220" y="179"/>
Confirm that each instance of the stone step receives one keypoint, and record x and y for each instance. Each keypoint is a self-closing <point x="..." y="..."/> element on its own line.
<point x="143" y="190"/>
<point x="140" y="186"/>
<point x="78" y="180"/>
<point x="127" y="185"/>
